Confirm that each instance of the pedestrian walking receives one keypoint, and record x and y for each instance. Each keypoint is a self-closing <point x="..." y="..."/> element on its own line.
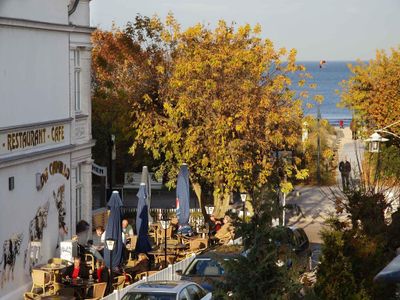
<point x="353" y="128"/>
<point x="345" y="169"/>
<point x="341" y="124"/>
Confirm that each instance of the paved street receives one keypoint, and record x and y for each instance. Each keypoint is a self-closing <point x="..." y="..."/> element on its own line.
<point x="315" y="201"/>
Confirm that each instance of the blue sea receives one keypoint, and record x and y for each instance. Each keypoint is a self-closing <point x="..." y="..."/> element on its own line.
<point x="327" y="80"/>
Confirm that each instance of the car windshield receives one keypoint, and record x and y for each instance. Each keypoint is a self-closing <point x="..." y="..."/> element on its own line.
<point x="204" y="267"/>
<point x="149" y="296"/>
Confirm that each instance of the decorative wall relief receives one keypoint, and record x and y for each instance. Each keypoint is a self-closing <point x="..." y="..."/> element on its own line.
<point x="55" y="167"/>
<point x="60" y="205"/>
<point x="36" y="227"/>
<point x="11" y="249"/>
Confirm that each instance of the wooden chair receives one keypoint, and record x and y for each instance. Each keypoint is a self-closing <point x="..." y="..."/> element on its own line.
<point x="89" y="261"/>
<point x="31" y="296"/>
<point x="133" y="240"/>
<point x="119" y="284"/>
<point x="99" y="290"/>
<point x="141" y="275"/>
<point x="42" y="280"/>
<point x="131" y="262"/>
<point x="198" y="245"/>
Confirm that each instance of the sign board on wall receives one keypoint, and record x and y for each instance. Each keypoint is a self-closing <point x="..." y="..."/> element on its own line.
<point x="68" y="250"/>
<point x="41" y="137"/>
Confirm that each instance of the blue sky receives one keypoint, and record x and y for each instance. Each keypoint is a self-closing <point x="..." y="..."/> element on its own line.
<point x="318" y="29"/>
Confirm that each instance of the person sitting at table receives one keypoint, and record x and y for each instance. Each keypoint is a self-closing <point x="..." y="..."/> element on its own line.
<point x="97" y="239"/>
<point x="215" y="224"/>
<point x="77" y="270"/>
<point x="141" y="265"/>
<point x="102" y="273"/>
<point x="226" y="232"/>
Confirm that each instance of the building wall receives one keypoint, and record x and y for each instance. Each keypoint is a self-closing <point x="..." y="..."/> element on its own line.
<point x="34" y="69"/>
<point x="51" y="11"/>
<point x="45" y="139"/>
<point x="31" y="215"/>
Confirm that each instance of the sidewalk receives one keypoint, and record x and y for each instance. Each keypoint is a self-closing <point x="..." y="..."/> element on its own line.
<point x="350" y="149"/>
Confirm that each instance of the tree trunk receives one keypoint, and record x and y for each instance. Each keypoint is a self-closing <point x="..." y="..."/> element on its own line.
<point x="221" y="203"/>
<point x="201" y="197"/>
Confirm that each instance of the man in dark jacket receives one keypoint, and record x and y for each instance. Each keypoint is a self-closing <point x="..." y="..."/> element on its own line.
<point x="345" y="169"/>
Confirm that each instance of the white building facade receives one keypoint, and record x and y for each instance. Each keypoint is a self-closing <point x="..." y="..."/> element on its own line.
<point x="45" y="132"/>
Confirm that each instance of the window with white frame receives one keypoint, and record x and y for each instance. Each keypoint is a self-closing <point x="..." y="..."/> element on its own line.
<point x="78" y="192"/>
<point x="77" y="79"/>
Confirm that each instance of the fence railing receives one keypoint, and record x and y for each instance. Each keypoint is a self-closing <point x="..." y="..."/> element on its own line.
<point x="168" y="273"/>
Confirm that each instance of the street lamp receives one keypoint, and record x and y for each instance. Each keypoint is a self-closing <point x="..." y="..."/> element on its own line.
<point x="165" y="224"/>
<point x="110" y="243"/>
<point x="243" y="196"/>
<point x="374" y="142"/>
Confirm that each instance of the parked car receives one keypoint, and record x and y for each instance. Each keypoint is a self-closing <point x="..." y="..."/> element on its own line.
<point x="206" y="269"/>
<point x="167" y="290"/>
<point x="294" y="243"/>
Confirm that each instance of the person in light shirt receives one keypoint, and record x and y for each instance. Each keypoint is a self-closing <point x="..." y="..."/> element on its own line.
<point x="103" y="238"/>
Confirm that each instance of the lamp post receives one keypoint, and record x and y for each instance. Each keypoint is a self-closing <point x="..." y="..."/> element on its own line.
<point x="374" y="142"/>
<point x="243" y="196"/>
<point x="318" y="144"/>
<point x="110" y="243"/>
<point x="165" y="224"/>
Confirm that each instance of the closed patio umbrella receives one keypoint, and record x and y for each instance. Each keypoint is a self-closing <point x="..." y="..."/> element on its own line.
<point x="182" y="196"/>
<point x="114" y="231"/>
<point x="147" y="180"/>
<point x="142" y="222"/>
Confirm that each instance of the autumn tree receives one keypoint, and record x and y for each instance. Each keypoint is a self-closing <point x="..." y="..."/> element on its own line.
<point x="373" y="90"/>
<point x="124" y="73"/>
<point x="224" y="107"/>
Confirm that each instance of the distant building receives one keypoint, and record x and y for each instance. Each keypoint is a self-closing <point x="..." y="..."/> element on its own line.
<point x="45" y="132"/>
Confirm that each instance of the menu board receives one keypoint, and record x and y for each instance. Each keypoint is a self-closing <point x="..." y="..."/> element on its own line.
<point x="69" y="250"/>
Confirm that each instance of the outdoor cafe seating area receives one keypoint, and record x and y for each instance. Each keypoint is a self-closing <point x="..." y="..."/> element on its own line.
<point x="117" y="255"/>
<point x="167" y="247"/>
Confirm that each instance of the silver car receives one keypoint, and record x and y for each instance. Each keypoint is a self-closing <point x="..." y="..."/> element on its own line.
<point x="167" y="290"/>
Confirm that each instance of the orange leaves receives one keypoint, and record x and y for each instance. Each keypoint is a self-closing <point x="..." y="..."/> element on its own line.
<point x="373" y="89"/>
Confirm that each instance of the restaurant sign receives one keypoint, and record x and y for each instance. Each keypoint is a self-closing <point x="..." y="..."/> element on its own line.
<point x="33" y="138"/>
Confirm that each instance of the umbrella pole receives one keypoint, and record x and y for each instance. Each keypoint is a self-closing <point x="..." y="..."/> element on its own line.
<point x="111" y="269"/>
<point x="165" y="246"/>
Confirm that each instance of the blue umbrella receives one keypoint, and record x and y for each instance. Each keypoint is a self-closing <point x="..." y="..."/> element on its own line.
<point x="142" y="222"/>
<point x="182" y="196"/>
<point x="114" y="231"/>
<point x="391" y="273"/>
<point x="147" y="180"/>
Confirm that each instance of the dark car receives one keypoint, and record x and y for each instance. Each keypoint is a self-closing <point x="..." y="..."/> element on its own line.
<point x="294" y="247"/>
